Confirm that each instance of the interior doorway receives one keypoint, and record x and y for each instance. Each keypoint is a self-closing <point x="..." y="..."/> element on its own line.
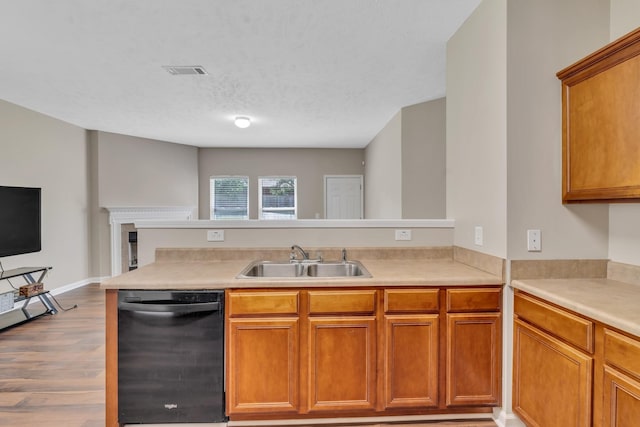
<point x="343" y="197"/>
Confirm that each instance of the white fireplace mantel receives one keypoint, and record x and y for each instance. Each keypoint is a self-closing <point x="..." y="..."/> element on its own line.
<point x="126" y="215"/>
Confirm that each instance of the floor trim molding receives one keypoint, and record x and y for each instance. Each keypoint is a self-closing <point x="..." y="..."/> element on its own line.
<point x="507" y="420"/>
<point x="361" y="420"/>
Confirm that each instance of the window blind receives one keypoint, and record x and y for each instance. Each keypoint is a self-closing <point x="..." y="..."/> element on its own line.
<point x="229" y="198"/>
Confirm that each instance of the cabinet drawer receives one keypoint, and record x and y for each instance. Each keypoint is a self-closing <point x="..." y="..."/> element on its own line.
<point x="251" y="303"/>
<point x="622" y="352"/>
<point x="470" y="300"/>
<point x="411" y="300"/>
<point x="573" y="329"/>
<point x="329" y="302"/>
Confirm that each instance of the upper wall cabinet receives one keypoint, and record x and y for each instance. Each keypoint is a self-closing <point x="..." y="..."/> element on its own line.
<point x="601" y="124"/>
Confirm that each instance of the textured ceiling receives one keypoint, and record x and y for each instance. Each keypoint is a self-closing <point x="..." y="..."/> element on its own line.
<point x="310" y="73"/>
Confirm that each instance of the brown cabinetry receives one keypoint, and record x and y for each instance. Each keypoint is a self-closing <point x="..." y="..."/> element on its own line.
<point x="263" y="352"/>
<point x="587" y="373"/>
<point x="601" y="136"/>
<point x="358" y="352"/>
<point x="474" y="347"/>
<point x="552" y="379"/>
<point x="621" y="380"/>
<point x="411" y="332"/>
<point x="341" y="350"/>
<point x="621" y="399"/>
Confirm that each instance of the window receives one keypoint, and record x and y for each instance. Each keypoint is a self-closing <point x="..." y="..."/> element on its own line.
<point x="229" y="197"/>
<point x="277" y="197"/>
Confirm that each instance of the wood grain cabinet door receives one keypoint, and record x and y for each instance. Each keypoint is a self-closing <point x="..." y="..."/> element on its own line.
<point x="600" y="135"/>
<point x="411" y="361"/>
<point x="552" y="381"/>
<point x="263" y="365"/>
<point x="474" y="354"/>
<point x="341" y="363"/>
<point x="621" y="400"/>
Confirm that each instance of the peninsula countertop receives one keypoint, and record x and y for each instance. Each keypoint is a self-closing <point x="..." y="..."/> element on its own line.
<point x="223" y="274"/>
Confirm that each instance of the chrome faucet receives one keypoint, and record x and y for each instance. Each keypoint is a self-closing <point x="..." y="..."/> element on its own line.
<point x="344" y="255"/>
<point x="292" y="256"/>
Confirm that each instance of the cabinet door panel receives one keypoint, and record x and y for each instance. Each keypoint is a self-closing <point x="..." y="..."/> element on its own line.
<point x="342" y="363"/>
<point x="474" y="354"/>
<point x="551" y="380"/>
<point x="263" y="366"/>
<point x="411" y="361"/>
<point x="621" y="399"/>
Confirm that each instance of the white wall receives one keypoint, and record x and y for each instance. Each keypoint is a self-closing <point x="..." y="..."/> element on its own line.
<point x="383" y="172"/>
<point x="624" y="219"/>
<point x="308" y="237"/>
<point x="477" y="128"/>
<point x="128" y="171"/>
<point x="624" y="17"/>
<point x="504" y="141"/>
<point x="39" y="151"/>
<point x="143" y="172"/>
<point x="307" y="164"/>
<point x="545" y="36"/>
<point x="405" y="165"/>
<point x="424" y="159"/>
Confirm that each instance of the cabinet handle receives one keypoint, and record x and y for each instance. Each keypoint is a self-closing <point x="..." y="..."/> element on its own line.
<point x="169" y="308"/>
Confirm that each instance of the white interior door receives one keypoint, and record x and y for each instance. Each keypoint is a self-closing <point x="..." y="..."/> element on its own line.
<point x="343" y="197"/>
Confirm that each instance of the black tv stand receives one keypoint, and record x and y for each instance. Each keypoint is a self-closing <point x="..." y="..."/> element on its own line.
<point x="21" y="315"/>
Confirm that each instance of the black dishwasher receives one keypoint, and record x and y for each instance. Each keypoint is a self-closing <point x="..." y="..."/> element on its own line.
<point x="170" y="357"/>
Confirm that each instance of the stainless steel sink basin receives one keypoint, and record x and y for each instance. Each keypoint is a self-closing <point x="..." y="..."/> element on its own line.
<point x="337" y="269"/>
<point x="302" y="270"/>
<point x="273" y="269"/>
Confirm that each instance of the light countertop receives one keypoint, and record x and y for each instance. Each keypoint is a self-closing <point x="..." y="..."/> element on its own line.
<point x="222" y="274"/>
<point x="612" y="302"/>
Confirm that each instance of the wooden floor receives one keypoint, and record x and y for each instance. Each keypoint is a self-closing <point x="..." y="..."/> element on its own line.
<point x="52" y="368"/>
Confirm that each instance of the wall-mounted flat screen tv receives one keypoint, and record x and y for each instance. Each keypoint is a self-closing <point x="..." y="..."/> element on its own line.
<point x="19" y="220"/>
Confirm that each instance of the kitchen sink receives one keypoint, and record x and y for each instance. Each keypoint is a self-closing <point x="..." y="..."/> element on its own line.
<point x="303" y="269"/>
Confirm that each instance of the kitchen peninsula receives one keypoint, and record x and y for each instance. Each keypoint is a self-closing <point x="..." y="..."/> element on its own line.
<point x="581" y="329"/>
<point x="421" y="337"/>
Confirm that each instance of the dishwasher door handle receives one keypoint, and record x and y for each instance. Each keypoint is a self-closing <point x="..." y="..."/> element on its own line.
<point x="169" y="308"/>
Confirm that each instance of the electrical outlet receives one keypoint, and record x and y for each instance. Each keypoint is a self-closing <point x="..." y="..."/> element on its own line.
<point x="215" y="235"/>
<point x="478" y="238"/>
<point x="534" y="243"/>
<point x="403" y="234"/>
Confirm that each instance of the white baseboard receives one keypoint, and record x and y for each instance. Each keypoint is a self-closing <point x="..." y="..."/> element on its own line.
<point x="507" y="420"/>
<point x="76" y="285"/>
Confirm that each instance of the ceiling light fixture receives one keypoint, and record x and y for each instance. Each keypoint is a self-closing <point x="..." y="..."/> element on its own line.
<point x="242" y="122"/>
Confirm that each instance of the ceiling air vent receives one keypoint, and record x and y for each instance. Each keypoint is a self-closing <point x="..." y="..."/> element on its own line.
<point x="185" y="70"/>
